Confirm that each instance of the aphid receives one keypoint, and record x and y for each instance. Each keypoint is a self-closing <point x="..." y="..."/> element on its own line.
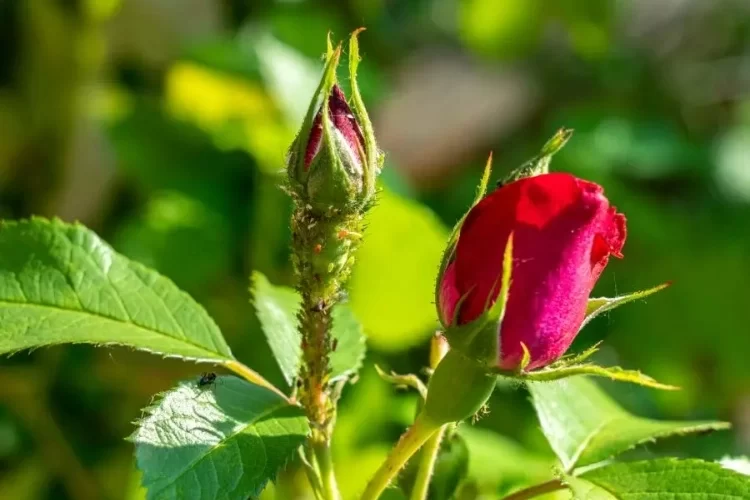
<point x="319" y="307"/>
<point x="334" y="345"/>
<point x="207" y="378"/>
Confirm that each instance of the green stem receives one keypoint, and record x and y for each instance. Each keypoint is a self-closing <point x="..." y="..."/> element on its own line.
<point x="330" y="489"/>
<point x="309" y="463"/>
<point x="535" y="491"/>
<point x="413" y="439"/>
<point x="427" y="465"/>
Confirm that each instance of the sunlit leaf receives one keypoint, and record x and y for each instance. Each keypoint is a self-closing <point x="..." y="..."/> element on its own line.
<point x="667" y="479"/>
<point x="60" y="283"/>
<point x="224" y="440"/>
<point x="739" y="464"/>
<point x="584" y="425"/>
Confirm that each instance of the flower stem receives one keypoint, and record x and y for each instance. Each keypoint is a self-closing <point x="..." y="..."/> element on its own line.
<point x="427" y="465"/>
<point x="413" y="439"/>
<point x="438" y="349"/>
<point x="330" y="489"/>
<point x="535" y="491"/>
<point x="312" y="472"/>
<point x="322" y="261"/>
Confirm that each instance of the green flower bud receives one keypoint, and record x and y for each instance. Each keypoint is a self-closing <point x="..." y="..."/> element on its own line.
<point x="334" y="161"/>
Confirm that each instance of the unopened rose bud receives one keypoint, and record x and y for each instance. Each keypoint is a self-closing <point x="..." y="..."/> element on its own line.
<point x="564" y="231"/>
<point x="335" y="165"/>
<point x="334" y="161"/>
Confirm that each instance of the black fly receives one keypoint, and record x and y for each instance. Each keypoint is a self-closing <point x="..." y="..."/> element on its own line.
<point x="207" y="378"/>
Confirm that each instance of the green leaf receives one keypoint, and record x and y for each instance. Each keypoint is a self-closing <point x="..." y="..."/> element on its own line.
<point x="739" y="464"/>
<point x="584" y="490"/>
<point x="349" y="336"/>
<point x="496" y="460"/>
<point x="584" y="425"/>
<point x="223" y="440"/>
<point x="277" y="308"/>
<point x="60" y="283"/>
<point x="668" y="479"/>
<point x="597" y="306"/>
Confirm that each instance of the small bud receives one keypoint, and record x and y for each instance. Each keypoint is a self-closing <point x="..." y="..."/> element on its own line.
<point x="334" y="156"/>
<point x="333" y="163"/>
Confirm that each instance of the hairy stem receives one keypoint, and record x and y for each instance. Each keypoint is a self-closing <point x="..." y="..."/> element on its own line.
<point x="322" y="252"/>
<point x="410" y="442"/>
<point x="535" y="491"/>
<point x="427" y="465"/>
<point x="315" y="321"/>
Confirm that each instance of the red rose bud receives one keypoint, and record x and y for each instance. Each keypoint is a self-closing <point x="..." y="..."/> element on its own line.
<point x="564" y="231"/>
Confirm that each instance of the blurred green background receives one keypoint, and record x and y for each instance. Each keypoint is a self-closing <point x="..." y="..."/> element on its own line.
<point x="163" y="125"/>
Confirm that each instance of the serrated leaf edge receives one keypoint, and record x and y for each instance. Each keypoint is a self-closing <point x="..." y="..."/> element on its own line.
<point x="56" y="223"/>
<point x="159" y="397"/>
<point x="688" y="427"/>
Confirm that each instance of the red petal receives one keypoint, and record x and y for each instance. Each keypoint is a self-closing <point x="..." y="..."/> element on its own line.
<point x="342" y="119"/>
<point x="561" y="225"/>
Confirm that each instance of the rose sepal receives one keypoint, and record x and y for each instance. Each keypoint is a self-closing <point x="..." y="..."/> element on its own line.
<point x="576" y="364"/>
<point x="540" y="163"/>
<point x="479" y="339"/>
<point x="599" y="305"/>
<point x="450" y="248"/>
<point x="408" y="380"/>
<point x="562" y="369"/>
<point x="297" y="173"/>
<point x="373" y="157"/>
